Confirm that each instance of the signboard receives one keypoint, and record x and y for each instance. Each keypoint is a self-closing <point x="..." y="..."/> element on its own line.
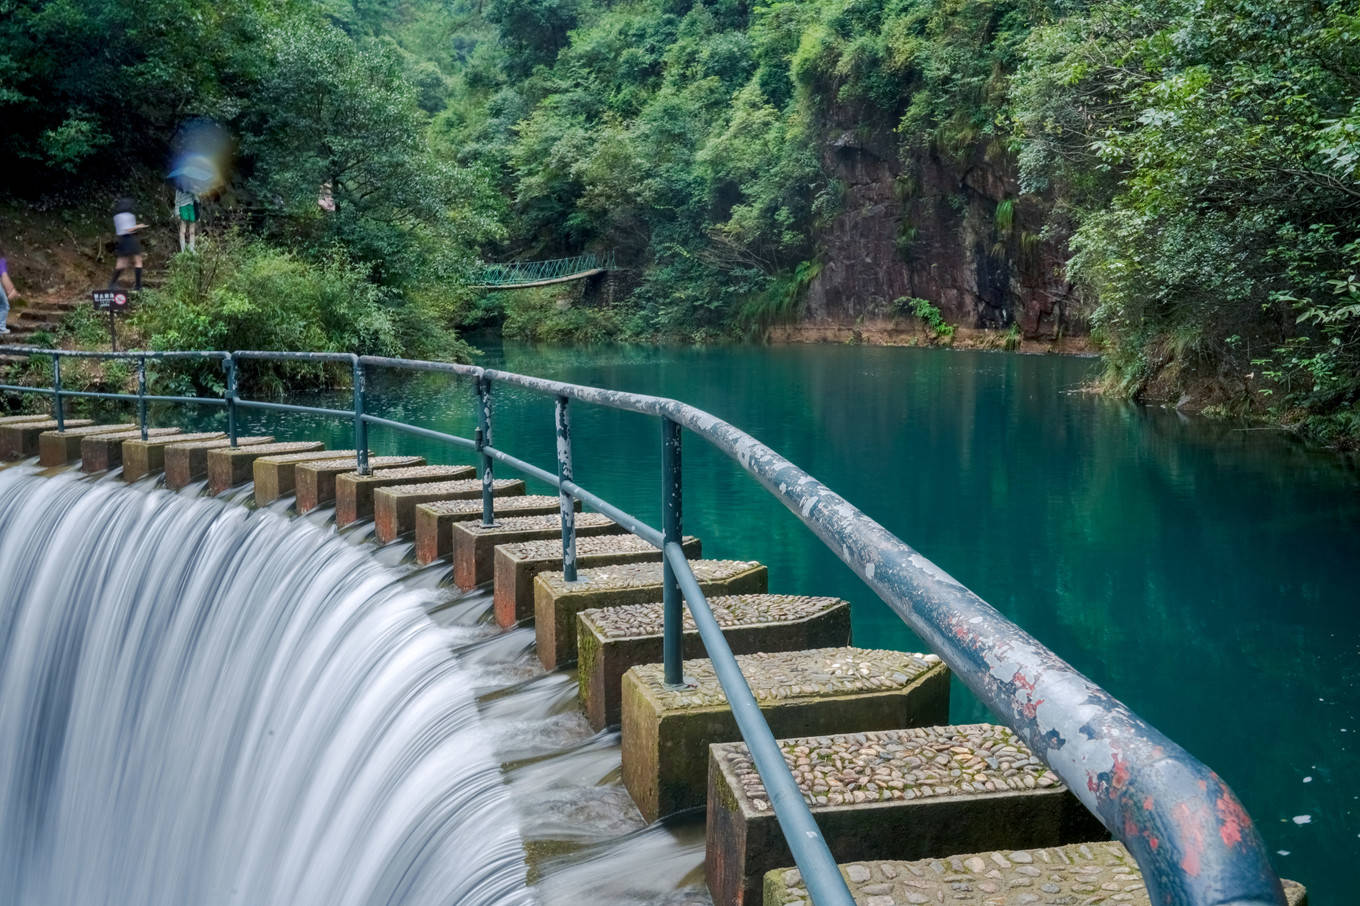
<point x="110" y="300"/>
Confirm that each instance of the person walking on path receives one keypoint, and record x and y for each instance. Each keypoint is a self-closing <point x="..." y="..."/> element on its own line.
<point x="186" y="204"/>
<point x="8" y="294"/>
<point x="127" y="248"/>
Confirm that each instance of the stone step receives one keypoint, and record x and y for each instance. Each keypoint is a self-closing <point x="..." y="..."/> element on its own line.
<point x="314" y="482"/>
<point x="58" y="448"/>
<point x="229" y="466"/>
<point x="20" y="419"/>
<point x="19" y="440"/>
<point x="612" y="639"/>
<point x="1082" y="874"/>
<point x="273" y="474"/>
<point x="473" y="545"/>
<point x="516" y="565"/>
<point x="101" y="452"/>
<point x="394" y="507"/>
<point x="188" y="462"/>
<point x="354" y="492"/>
<point x="435" y="522"/>
<point x="557" y="601"/>
<point x="904" y="794"/>
<point x="147" y="457"/>
<point x="667" y="731"/>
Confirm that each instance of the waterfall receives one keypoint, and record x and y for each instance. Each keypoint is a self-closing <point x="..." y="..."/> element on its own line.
<point x="204" y="704"/>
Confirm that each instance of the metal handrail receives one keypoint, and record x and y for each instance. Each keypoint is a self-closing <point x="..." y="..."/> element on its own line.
<point x="1190" y="835"/>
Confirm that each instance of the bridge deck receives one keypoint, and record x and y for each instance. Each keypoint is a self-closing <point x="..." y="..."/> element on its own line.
<point x="580" y="275"/>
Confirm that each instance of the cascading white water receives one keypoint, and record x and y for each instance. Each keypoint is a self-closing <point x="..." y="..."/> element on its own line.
<point x="200" y="704"/>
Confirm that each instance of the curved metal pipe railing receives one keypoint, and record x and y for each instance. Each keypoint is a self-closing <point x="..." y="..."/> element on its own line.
<point x="1190" y="835"/>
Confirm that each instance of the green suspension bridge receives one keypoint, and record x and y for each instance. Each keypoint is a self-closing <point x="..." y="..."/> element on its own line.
<point x="524" y="274"/>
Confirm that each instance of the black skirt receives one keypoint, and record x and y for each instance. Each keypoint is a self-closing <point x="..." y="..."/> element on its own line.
<point x="127" y="246"/>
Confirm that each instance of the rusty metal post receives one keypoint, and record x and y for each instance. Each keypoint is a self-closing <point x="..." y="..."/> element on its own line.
<point x="141" y="394"/>
<point x="673" y="605"/>
<point x="56" y="393"/>
<point x="484" y="440"/>
<point x="568" y="503"/>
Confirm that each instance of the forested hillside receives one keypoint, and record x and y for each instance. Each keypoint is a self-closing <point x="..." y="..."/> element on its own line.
<point x="1181" y="178"/>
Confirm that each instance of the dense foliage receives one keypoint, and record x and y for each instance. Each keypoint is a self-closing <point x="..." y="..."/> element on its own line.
<point x="1201" y="158"/>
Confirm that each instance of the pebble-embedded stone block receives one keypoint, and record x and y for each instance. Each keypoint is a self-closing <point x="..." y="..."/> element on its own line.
<point x="58" y="448"/>
<point x="230" y="466"/>
<point x="394" y="507"/>
<point x="20" y="439"/>
<point x="667" y="731"/>
<point x="557" y="601"/>
<point x="314" y="482"/>
<point x="517" y="564"/>
<point x="273" y="474"/>
<point x="611" y="640"/>
<point x="354" y="492"/>
<point x="436" y="522"/>
<point x="101" y="452"/>
<point x="473" y="545"/>
<point x="188" y="462"/>
<point x="147" y="457"/>
<point x="908" y="794"/>
<point x="1081" y="874"/>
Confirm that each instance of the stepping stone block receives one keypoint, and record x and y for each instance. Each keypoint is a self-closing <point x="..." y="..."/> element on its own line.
<point x="473" y="545"/>
<point x="435" y="522"/>
<point x="394" y="507"/>
<point x="314" y="482"/>
<point x="230" y="466"/>
<point x="188" y="462"/>
<point x="557" y="601"/>
<point x="907" y="794"/>
<point x="20" y="419"/>
<point x="516" y="565"/>
<point x="147" y="457"/>
<point x="20" y="439"/>
<point x="57" y="448"/>
<point x="273" y="474"/>
<point x="667" y="731"/>
<point x="611" y="640"/>
<point x="101" y="452"/>
<point x="354" y="492"/>
<point x="1082" y="874"/>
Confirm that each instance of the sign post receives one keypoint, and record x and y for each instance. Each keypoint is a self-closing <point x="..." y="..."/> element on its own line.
<point x="113" y="301"/>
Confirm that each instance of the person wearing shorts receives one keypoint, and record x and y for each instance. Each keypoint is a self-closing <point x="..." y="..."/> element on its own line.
<point x="127" y="247"/>
<point x="8" y="294"/>
<point x="186" y="203"/>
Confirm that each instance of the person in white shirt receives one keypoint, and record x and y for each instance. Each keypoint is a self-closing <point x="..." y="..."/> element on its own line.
<point x="127" y="247"/>
<point x="186" y="205"/>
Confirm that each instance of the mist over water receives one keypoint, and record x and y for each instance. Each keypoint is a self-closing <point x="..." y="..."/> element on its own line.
<point x="204" y="704"/>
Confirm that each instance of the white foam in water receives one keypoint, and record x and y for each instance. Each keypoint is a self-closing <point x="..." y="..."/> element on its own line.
<point x="201" y="705"/>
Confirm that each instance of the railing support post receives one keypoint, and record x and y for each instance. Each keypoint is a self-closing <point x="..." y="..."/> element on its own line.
<point x="568" y="503"/>
<point x="673" y="605"/>
<point x="229" y="364"/>
<point x="360" y="426"/>
<point x="484" y="440"/>
<point x="141" y="394"/>
<point x="56" y="393"/>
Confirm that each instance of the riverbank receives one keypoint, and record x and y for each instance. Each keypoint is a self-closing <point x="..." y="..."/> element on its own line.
<point x="911" y="332"/>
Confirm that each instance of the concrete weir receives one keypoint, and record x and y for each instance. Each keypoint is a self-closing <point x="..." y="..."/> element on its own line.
<point x="59" y="448"/>
<point x="435" y="522"/>
<point x="394" y="507"/>
<point x="273" y="474"/>
<point x="230" y="466"/>
<point x="667" y="730"/>
<point x="473" y="545"/>
<point x="557" y="601"/>
<point x="354" y="492"/>
<point x="20" y="439"/>
<point x="314" y="481"/>
<point x="1082" y="874"/>
<point x="612" y="639"/>
<point x="186" y="463"/>
<point x="147" y="457"/>
<point x="904" y="794"/>
<point x="516" y="565"/>
<point x="101" y="452"/>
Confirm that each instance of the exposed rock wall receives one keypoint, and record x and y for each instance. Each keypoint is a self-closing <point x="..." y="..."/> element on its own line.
<point x="927" y="227"/>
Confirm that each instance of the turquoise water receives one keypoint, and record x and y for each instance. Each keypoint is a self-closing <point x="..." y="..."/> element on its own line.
<point x="1202" y="573"/>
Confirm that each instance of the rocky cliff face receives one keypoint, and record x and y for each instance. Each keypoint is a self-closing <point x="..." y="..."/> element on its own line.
<point x="955" y="234"/>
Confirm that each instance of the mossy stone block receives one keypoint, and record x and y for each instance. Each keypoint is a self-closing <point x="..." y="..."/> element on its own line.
<point x="101" y="452"/>
<point x="473" y="545"/>
<point x="58" y="448"/>
<point x="273" y="474"/>
<point x="147" y="457"/>
<point x="230" y="466"/>
<point x="19" y="440"/>
<point x="188" y="462"/>
<point x="354" y="492"/>
<point x="435" y="522"/>
<point x="314" y="482"/>
<point x="394" y="507"/>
